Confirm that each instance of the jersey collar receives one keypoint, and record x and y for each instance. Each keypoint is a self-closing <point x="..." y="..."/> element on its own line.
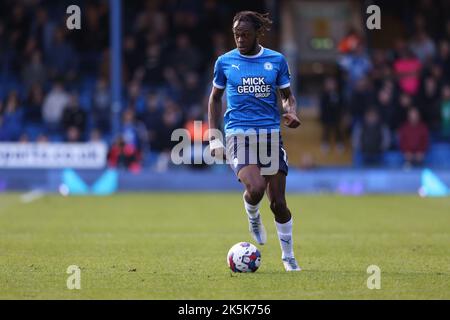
<point x="255" y="55"/>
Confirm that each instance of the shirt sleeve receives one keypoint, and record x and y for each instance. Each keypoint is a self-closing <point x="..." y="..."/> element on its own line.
<point x="220" y="80"/>
<point x="284" y="76"/>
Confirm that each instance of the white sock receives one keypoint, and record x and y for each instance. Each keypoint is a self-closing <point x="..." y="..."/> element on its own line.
<point x="285" y="236"/>
<point x="252" y="210"/>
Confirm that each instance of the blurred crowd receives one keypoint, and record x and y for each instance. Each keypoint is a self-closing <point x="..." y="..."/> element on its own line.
<point x="393" y="99"/>
<point x="54" y="83"/>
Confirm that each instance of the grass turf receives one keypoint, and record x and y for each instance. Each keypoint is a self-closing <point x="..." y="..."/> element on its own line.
<point x="173" y="246"/>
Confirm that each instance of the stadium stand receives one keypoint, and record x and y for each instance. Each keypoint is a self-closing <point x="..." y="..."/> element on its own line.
<point x="54" y="87"/>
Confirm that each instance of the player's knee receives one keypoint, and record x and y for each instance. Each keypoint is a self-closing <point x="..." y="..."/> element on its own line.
<point x="278" y="205"/>
<point x="256" y="191"/>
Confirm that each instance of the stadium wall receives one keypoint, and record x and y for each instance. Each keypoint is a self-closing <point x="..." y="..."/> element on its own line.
<point x="339" y="181"/>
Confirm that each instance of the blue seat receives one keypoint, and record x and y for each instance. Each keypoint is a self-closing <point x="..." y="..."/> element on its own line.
<point x="439" y="155"/>
<point x="357" y="159"/>
<point x="393" y="159"/>
<point x="88" y="83"/>
<point x="85" y="100"/>
<point x="56" y="138"/>
<point x="33" y="131"/>
<point x="149" y="159"/>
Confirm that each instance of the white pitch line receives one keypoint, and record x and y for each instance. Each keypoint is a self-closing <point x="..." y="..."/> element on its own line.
<point x="31" y="196"/>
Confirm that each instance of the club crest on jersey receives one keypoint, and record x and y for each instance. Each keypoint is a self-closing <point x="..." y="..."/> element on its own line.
<point x="268" y="66"/>
<point x="256" y="86"/>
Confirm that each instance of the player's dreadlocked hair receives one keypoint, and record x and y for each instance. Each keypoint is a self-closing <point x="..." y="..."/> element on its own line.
<point x="260" y="21"/>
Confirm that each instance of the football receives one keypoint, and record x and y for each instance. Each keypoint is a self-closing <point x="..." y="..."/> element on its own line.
<point x="244" y="257"/>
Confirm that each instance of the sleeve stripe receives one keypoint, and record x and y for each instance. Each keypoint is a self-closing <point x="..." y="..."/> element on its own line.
<point x="284" y="86"/>
<point x="218" y="86"/>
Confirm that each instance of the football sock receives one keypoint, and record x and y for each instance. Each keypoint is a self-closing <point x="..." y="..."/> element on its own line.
<point x="284" y="231"/>
<point x="252" y="210"/>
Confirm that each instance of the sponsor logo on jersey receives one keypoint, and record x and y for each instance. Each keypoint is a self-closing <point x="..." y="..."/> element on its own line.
<point x="256" y="86"/>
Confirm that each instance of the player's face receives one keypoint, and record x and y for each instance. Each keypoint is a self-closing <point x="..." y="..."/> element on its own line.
<point x="245" y="37"/>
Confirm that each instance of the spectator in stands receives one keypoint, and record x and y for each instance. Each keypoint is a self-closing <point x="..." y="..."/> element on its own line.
<point x="330" y="115"/>
<point x="171" y="120"/>
<point x="423" y="47"/>
<point x="11" y="119"/>
<point x="74" y="117"/>
<point x="173" y="85"/>
<point x="34" y="72"/>
<point x="162" y="145"/>
<point x="33" y="106"/>
<point x="443" y="59"/>
<point x="428" y="103"/>
<point x="361" y="99"/>
<point x="427" y="15"/>
<point x="43" y="29"/>
<point x="72" y="135"/>
<point x="350" y="42"/>
<point x="381" y="70"/>
<point x="435" y="70"/>
<point x="153" y="67"/>
<point x="93" y="36"/>
<point x="24" y="138"/>
<point x="61" y="58"/>
<point x="130" y="130"/>
<point x="212" y="16"/>
<point x="191" y="90"/>
<point x="54" y="104"/>
<point x="197" y="130"/>
<point x="357" y="66"/>
<point x="185" y="57"/>
<point x="18" y="26"/>
<point x="3" y="40"/>
<point x="42" y="138"/>
<point x="152" y="117"/>
<point x="133" y="57"/>
<point x="101" y="106"/>
<point x="135" y="97"/>
<point x="447" y="30"/>
<point x="407" y="68"/>
<point x="405" y="102"/>
<point x="3" y="133"/>
<point x="371" y="138"/>
<point x="123" y="155"/>
<point x="95" y="136"/>
<point x="413" y="136"/>
<point x="445" y="112"/>
<point x="387" y="107"/>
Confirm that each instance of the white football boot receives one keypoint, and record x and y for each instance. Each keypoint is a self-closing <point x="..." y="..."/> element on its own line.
<point x="290" y="264"/>
<point x="257" y="229"/>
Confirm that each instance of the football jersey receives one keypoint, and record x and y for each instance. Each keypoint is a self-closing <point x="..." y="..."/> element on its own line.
<point x="251" y="83"/>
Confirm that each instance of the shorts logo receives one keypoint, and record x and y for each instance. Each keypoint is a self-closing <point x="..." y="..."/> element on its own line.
<point x="268" y="66"/>
<point x="235" y="162"/>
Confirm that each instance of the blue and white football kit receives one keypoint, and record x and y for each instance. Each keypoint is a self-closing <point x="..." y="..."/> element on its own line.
<point x="251" y="84"/>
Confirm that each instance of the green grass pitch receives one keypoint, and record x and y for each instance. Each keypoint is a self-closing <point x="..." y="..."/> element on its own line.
<point x="174" y="246"/>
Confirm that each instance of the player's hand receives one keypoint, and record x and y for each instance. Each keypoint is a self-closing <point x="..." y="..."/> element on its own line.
<point x="291" y="120"/>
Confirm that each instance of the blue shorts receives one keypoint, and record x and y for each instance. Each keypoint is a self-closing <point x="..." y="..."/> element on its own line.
<point x="264" y="150"/>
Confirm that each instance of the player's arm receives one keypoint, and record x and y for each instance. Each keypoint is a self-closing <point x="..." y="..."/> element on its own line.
<point x="289" y="104"/>
<point x="215" y="117"/>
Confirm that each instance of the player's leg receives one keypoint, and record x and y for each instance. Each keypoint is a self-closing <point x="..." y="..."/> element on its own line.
<point x="255" y="186"/>
<point x="276" y="189"/>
